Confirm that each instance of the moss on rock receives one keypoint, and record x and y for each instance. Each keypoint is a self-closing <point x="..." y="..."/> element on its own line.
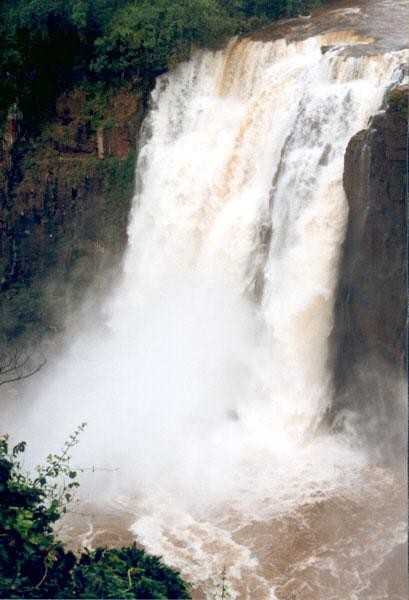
<point x="65" y="206"/>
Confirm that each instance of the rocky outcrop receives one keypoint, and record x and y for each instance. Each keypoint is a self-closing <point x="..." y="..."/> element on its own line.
<point x="369" y="337"/>
<point x="64" y="205"/>
<point x="11" y="136"/>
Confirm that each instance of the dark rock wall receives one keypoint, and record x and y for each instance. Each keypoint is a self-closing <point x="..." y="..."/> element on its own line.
<point x="369" y="337"/>
<point x="64" y="206"/>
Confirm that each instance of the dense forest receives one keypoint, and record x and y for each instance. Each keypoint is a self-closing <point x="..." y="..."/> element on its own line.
<point x="48" y="45"/>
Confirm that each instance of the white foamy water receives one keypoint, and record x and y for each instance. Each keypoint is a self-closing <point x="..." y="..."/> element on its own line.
<point x="207" y="384"/>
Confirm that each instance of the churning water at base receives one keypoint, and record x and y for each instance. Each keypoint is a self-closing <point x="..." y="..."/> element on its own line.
<point x="207" y="385"/>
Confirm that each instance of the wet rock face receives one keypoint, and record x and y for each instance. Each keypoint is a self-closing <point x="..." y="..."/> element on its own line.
<point x="75" y="131"/>
<point x="64" y="206"/>
<point x="370" y="314"/>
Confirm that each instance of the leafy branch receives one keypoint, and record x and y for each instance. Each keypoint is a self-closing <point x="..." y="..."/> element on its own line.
<point x="57" y="466"/>
<point x="35" y="564"/>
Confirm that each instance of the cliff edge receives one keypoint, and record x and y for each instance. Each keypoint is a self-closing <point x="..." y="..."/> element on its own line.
<point x="64" y="203"/>
<point x="369" y="337"/>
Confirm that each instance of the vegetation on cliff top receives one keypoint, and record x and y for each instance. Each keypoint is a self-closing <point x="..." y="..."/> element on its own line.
<point x="47" y="46"/>
<point x="35" y="564"/>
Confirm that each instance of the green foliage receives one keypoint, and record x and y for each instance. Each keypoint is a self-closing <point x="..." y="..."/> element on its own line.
<point x="125" y="573"/>
<point x="34" y="564"/>
<point x="45" y="46"/>
<point x="96" y="99"/>
<point x="49" y="45"/>
<point x="149" y="37"/>
<point x="266" y="9"/>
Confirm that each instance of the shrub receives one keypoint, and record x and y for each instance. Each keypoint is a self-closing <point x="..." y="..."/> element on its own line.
<point x="35" y="564"/>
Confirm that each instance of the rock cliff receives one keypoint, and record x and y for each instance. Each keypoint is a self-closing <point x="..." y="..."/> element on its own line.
<point x="64" y="204"/>
<point x="369" y="337"/>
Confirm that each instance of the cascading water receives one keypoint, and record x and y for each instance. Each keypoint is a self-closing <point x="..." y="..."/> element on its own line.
<point x="224" y="127"/>
<point x="208" y="383"/>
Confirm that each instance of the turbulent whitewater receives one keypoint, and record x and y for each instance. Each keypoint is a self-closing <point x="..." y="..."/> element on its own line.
<point x="207" y="386"/>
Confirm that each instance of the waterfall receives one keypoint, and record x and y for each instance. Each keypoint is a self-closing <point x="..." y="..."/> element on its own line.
<point x="244" y="141"/>
<point x="207" y="384"/>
